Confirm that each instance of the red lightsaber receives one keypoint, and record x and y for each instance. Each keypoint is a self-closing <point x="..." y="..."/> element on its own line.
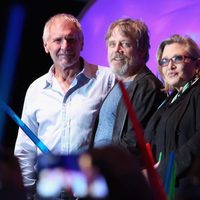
<point x="154" y="178"/>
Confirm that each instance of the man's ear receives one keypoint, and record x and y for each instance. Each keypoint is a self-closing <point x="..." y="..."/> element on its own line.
<point x="46" y="47"/>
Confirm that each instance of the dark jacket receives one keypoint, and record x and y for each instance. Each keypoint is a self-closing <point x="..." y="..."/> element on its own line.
<point x="175" y="127"/>
<point x="146" y="95"/>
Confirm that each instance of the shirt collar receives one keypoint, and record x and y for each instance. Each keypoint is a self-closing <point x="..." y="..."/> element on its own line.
<point x="89" y="71"/>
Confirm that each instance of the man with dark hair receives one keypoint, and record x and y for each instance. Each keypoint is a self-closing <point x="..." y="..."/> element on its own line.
<point x="128" y="51"/>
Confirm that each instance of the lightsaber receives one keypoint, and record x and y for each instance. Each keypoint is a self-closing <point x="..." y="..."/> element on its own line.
<point x="10" y="54"/>
<point x="25" y="128"/>
<point x="154" y="179"/>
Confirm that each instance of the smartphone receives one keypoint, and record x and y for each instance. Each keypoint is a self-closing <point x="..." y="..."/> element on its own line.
<point x="73" y="173"/>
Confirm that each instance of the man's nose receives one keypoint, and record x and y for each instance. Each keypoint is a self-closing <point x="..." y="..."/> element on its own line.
<point x="64" y="44"/>
<point x="118" y="47"/>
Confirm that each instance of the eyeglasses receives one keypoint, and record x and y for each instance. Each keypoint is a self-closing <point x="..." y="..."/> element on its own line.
<point x="177" y="59"/>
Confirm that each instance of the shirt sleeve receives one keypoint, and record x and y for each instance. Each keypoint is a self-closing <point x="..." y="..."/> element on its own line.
<point x="25" y="150"/>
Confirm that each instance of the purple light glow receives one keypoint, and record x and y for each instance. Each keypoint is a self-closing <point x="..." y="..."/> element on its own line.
<point x="163" y="18"/>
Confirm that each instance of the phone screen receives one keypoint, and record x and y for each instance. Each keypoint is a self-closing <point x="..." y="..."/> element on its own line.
<point x="73" y="173"/>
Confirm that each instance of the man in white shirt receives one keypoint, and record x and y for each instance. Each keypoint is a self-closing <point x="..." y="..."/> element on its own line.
<point x="61" y="106"/>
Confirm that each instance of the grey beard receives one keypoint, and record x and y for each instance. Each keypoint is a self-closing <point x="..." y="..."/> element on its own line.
<point x="119" y="72"/>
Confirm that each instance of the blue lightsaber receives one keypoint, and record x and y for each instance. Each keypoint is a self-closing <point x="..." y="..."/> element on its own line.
<point x="10" y="54"/>
<point x="25" y="128"/>
<point x="169" y="172"/>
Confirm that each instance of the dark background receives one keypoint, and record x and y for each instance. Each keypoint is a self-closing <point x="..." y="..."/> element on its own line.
<point x="32" y="61"/>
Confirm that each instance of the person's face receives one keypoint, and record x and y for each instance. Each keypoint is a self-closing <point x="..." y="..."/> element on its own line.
<point x="176" y="75"/>
<point x="123" y="56"/>
<point x="63" y="44"/>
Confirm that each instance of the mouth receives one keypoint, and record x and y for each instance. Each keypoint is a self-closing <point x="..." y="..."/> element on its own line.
<point x="172" y="75"/>
<point x="65" y="55"/>
<point x="118" y="59"/>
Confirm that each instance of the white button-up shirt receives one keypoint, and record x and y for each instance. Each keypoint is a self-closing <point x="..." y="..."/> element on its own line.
<point x="62" y="121"/>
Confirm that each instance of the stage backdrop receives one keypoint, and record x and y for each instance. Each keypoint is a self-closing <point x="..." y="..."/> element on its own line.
<point x="163" y="18"/>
